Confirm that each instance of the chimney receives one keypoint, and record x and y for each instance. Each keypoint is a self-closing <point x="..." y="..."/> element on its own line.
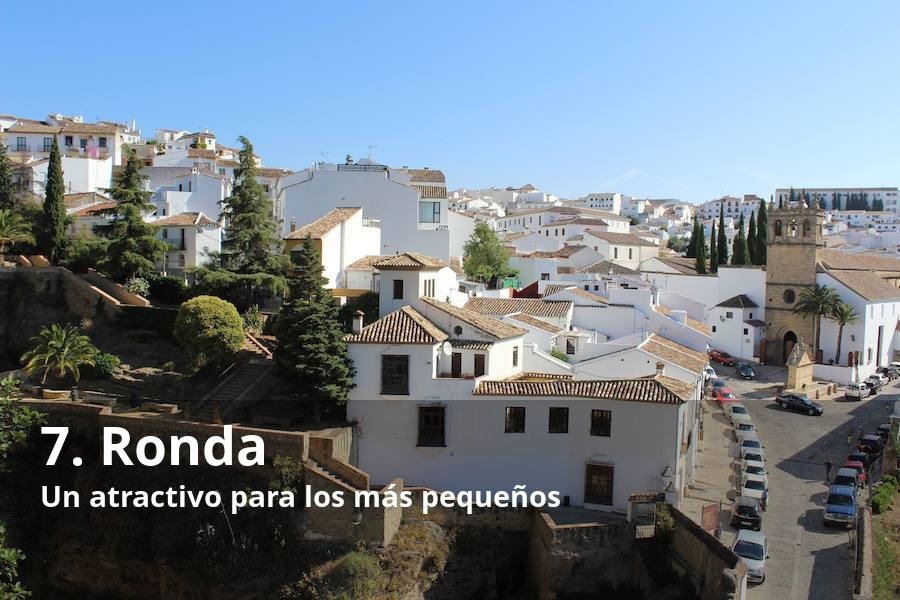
<point x="358" y="321"/>
<point x="660" y="368"/>
<point x="293" y="225"/>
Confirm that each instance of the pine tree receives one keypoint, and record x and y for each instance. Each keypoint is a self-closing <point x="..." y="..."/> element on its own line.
<point x="6" y="187"/>
<point x="700" y="251"/>
<point x="721" y="241"/>
<point x="752" y="246"/>
<point x="311" y="349"/>
<point x="52" y="232"/>
<point x="762" y="233"/>
<point x="713" y="251"/>
<point x="691" y="248"/>
<point x="133" y="248"/>
<point x="741" y="252"/>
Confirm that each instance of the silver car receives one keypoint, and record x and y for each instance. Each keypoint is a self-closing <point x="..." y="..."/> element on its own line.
<point x="753" y="549"/>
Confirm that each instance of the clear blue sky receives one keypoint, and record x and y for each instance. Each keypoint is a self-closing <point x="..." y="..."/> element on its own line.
<point x="662" y="99"/>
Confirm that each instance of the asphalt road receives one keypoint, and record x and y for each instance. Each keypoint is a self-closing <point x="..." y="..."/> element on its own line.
<point x="807" y="561"/>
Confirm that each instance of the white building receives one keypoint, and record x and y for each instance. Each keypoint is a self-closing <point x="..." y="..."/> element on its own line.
<point x="192" y="237"/>
<point x="732" y="206"/>
<point x="609" y="202"/>
<point x="626" y="249"/>
<point x="738" y="326"/>
<point x="28" y="141"/>
<point x="543" y="219"/>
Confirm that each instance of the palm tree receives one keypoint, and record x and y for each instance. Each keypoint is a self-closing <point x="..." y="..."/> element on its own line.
<point x="817" y="302"/>
<point x="844" y="314"/>
<point x="62" y="349"/>
<point x="13" y="229"/>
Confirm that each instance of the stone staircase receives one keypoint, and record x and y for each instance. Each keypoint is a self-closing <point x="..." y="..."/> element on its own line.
<point x="240" y="380"/>
<point x="320" y="470"/>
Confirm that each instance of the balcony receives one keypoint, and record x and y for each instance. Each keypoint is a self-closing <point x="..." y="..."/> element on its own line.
<point x="91" y="152"/>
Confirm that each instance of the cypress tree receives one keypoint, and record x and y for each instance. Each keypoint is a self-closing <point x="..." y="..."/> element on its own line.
<point x="721" y="241"/>
<point x="311" y="351"/>
<point x="791" y="198"/>
<point x="6" y="190"/>
<point x="751" y="240"/>
<point x="877" y="204"/>
<point x="691" y="248"/>
<point x="762" y="233"/>
<point x="133" y="248"/>
<point x="741" y="253"/>
<point x="52" y="233"/>
<point x="700" y="251"/>
<point x="713" y="251"/>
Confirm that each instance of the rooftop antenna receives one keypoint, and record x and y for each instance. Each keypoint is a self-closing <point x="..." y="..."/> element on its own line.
<point x="372" y="151"/>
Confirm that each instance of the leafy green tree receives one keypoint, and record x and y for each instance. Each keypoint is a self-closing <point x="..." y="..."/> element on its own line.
<point x="677" y="243"/>
<point x="133" y="248"/>
<point x="16" y="421"/>
<point x="700" y="252"/>
<point x="367" y="303"/>
<point x="13" y="229"/>
<point x="6" y="185"/>
<point x="817" y="302"/>
<point x="61" y="349"/>
<point x="209" y="329"/>
<point x="86" y="252"/>
<point x="741" y="254"/>
<point x="721" y="241"/>
<point x="843" y="314"/>
<point x="484" y="257"/>
<point x="752" y="245"/>
<point x="713" y="251"/>
<point x="52" y="232"/>
<point x="690" y="250"/>
<point x="311" y="348"/>
<point x="762" y="233"/>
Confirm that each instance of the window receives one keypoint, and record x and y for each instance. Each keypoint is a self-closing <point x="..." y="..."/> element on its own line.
<point x="629" y="253"/>
<point x="101" y="142"/>
<point x="601" y="422"/>
<point x="398" y="289"/>
<point x="479" y="365"/>
<point x="515" y="356"/>
<point x="69" y="140"/>
<point x="515" y="419"/>
<point x="457" y="330"/>
<point x="570" y="347"/>
<point x="713" y="328"/>
<point x="615" y="253"/>
<point x="266" y="188"/>
<point x="596" y="288"/>
<point x="545" y="276"/>
<point x="395" y="374"/>
<point x="751" y="315"/>
<point x="559" y="419"/>
<point x="778" y="228"/>
<point x="805" y="228"/>
<point x="598" y="484"/>
<point x="20" y="144"/>
<point x="789" y="296"/>
<point x="729" y="315"/>
<point x="429" y="212"/>
<point x="48" y="144"/>
<point x="221" y="170"/>
<point x="431" y="426"/>
<point x="587" y="288"/>
<point x="82" y="143"/>
<point x="429" y="288"/>
<point x="746" y="331"/>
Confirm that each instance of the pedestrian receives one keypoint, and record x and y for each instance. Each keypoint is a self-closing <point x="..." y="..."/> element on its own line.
<point x="828" y="466"/>
<point x="850" y="435"/>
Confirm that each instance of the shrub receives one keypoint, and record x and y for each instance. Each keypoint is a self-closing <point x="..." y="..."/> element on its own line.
<point x="138" y="285"/>
<point x="359" y="576"/>
<point x="665" y="524"/>
<point x="168" y="289"/>
<point x="209" y="329"/>
<point x="105" y="365"/>
<point x="168" y="366"/>
<point x="559" y="355"/>
<point x="882" y="500"/>
<point x="253" y="320"/>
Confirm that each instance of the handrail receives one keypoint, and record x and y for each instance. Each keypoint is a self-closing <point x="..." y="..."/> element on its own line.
<point x="258" y="344"/>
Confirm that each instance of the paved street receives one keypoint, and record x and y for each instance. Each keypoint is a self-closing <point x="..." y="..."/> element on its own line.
<point x="807" y="560"/>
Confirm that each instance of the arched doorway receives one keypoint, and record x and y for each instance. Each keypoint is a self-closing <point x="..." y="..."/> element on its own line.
<point x="790" y="338"/>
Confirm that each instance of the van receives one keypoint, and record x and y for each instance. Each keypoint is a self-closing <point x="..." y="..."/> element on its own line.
<point x="857" y="391"/>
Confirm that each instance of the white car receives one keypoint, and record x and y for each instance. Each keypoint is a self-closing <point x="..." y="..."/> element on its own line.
<point x="710" y="372"/>
<point x="737" y="412"/>
<point x="755" y="486"/>
<point x="745" y="453"/>
<point x="744" y="428"/>
<point x="753" y="549"/>
<point x="755" y="468"/>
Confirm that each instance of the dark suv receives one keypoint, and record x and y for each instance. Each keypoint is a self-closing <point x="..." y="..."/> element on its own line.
<point x="800" y="403"/>
<point x="746" y="513"/>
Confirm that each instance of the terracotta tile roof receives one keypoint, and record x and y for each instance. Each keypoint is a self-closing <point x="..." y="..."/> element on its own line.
<point x="657" y="390"/>
<point x="739" y="301"/>
<point x="368" y="262"/>
<point x="187" y="219"/>
<point x="692" y="323"/>
<point x="867" y="284"/>
<point x="429" y="175"/>
<point x="201" y="153"/>
<point x="556" y="287"/>
<point x="534" y="307"/>
<point x="409" y="260"/>
<point x="471" y="345"/>
<point x="403" y="326"/>
<point x="564" y="252"/>
<point x="323" y="225"/>
<point x="89" y="128"/>
<point x="835" y="259"/>
<point x="679" y="263"/>
<point x="535" y="323"/>
<point x="493" y="327"/>
<point x="33" y="128"/>
<point x="72" y="200"/>
<point x="625" y="239"/>
<point x="581" y="293"/>
<point x="267" y="172"/>
<point x="759" y="323"/>
<point x="675" y="353"/>
<point x="571" y="210"/>
<point x="90" y="211"/>
<point x="576" y="221"/>
<point x="605" y="266"/>
<point x="431" y="191"/>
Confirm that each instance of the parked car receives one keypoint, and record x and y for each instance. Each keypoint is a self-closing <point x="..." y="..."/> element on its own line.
<point x="745" y="371"/>
<point x="737" y="412"/>
<point x="871" y="445"/>
<point x="753" y="549"/>
<point x="749" y="455"/>
<point x="721" y="357"/>
<point x="709" y="372"/>
<point x="744" y="429"/>
<point x="751" y="441"/>
<point x="800" y="403"/>
<point x="717" y="383"/>
<point x="858" y="391"/>
<point x="889" y="372"/>
<point x="860" y="469"/>
<point x="877" y="380"/>
<point x="865" y="459"/>
<point x="873" y="387"/>
<point x="724" y="395"/>
<point x="847" y="476"/>
<point x="754" y="469"/>
<point x="840" y="506"/>
<point x="746" y="514"/>
<point x="883" y="431"/>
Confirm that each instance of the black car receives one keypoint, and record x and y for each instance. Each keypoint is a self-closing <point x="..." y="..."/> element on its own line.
<point x="746" y="514"/>
<point x="871" y="444"/>
<point x="883" y="431"/>
<point x="745" y="371"/>
<point x="799" y="403"/>
<point x="889" y="372"/>
<point x="864" y="458"/>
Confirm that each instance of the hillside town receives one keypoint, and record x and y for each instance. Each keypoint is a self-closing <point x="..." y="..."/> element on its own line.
<point x="708" y="384"/>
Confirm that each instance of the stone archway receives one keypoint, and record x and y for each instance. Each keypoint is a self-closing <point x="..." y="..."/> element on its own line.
<point x="788" y="341"/>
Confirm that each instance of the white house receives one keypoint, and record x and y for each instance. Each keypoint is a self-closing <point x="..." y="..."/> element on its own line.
<point x="191" y="238"/>
<point x="526" y="242"/>
<point x="411" y="278"/>
<point x="626" y="249"/>
<point x="737" y="325"/>
<point x="540" y="218"/>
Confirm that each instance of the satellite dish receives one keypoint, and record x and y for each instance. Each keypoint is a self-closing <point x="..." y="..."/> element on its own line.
<point x="446" y="349"/>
